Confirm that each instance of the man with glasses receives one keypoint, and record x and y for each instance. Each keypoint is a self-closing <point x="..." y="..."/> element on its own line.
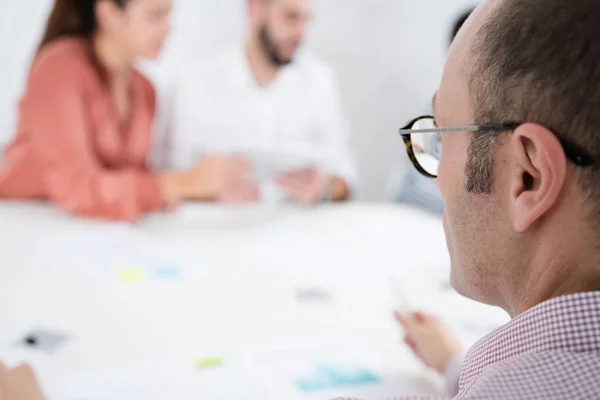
<point x="514" y="146"/>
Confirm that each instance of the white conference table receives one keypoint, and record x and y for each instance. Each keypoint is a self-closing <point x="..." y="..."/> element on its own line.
<point x="249" y="266"/>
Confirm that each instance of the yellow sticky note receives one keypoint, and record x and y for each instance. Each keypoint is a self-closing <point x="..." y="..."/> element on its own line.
<point x="130" y="275"/>
<point x="209" y="362"/>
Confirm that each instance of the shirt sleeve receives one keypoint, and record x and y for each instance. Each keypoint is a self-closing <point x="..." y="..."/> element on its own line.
<point x="60" y="131"/>
<point x="452" y="374"/>
<point x="333" y="134"/>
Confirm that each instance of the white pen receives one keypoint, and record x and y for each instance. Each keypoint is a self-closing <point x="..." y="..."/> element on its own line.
<point x="404" y="303"/>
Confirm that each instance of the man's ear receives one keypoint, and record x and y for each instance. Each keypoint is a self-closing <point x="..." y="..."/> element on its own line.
<point x="540" y="173"/>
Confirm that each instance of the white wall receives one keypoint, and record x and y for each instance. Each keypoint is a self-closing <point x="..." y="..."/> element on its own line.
<point x="388" y="54"/>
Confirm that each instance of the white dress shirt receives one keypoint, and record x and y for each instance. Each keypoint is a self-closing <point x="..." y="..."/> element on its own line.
<point x="296" y="121"/>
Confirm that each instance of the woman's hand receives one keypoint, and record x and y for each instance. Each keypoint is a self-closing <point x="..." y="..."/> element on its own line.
<point x="207" y="180"/>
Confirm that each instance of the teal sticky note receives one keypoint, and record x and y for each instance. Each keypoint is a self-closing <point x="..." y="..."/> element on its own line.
<point x="167" y="272"/>
<point x="330" y="377"/>
<point x="341" y="377"/>
<point x="313" y="383"/>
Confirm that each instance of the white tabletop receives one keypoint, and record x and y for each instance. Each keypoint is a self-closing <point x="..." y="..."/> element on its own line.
<point x="244" y="269"/>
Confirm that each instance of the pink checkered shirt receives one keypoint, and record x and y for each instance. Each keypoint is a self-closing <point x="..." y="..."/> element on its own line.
<point x="549" y="352"/>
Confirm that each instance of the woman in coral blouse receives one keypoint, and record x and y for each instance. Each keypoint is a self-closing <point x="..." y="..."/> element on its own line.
<point x="85" y="119"/>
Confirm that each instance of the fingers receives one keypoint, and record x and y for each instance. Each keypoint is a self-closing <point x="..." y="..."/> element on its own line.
<point x="413" y="333"/>
<point x="172" y="208"/>
<point x="401" y="318"/>
<point x="236" y="200"/>
<point x="237" y="170"/>
<point x="224" y="173"/>
<point x="409" y="322"/>
<point x="304" y="186"/>
<point x="240" y="166"/>
<point x="235" y="167"/>
<point x="240" y="194"/>
<point x="306" y="176"/>
<point x="295" y="187"/>
<point x="24" y="370"/>
<point x="20" y="383"/>
<point x="416" y="317"/>
<point x="290" y="180"/>
<point x="302" y="176"/>
<point x="412" y="344"/>
<point x="423" y="317"/>
<point x="301" y="193"/>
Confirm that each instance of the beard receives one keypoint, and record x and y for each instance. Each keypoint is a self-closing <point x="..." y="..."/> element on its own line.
<point x="482" y="249"/>
<point x="272" y="49"/>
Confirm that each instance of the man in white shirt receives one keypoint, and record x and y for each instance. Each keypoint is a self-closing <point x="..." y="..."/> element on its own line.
<point x="271" y="104"/>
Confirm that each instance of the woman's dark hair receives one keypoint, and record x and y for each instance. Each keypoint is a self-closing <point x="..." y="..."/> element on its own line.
<point x="72" y="17"/>
<point x="459" y="22"/>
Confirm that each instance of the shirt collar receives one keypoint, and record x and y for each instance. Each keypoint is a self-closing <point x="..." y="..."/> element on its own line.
<point x="569" y="323"/>
<point x="243" y="76"/>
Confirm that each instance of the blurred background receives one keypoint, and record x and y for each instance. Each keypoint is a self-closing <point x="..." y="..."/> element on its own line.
<point x="388" y="55"/>
<point x="214" y="301"/>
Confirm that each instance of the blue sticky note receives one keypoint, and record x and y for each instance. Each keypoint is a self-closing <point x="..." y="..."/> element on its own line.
<point x="341" y="377"/>
<point x="167" y="272"/>
<point x="332" y="377"/>
<point x="313" y="383"/>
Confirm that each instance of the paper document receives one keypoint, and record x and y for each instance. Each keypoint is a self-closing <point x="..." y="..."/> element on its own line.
<point x="320" y="371"/>
<point x="114" y="252"/>
<point x="315" y="260"/>
<point x="183" y="381"/>
<point x="292" y="372"/>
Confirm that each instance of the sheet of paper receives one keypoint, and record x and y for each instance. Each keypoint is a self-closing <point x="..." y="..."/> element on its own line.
<point x="165" y="381"/>
<point x="285" y="371"/>
<point x="330" y="369"/>
<point x="115" y="252"/>
<point x="316" y="259"/>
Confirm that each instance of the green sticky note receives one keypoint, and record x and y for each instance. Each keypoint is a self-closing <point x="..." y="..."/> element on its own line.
<point x="130" y="275"/>
<point x="209" y="362"/>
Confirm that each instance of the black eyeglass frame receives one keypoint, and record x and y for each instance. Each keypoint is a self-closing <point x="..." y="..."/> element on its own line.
<point x="572" y="151"/>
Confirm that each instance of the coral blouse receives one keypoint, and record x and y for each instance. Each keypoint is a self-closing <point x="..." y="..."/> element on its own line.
<point x="70" y="147"/>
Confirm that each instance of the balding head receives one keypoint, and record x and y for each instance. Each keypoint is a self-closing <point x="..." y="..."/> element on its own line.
<point x="539" y="61"/>
<point x="523" y="206"/>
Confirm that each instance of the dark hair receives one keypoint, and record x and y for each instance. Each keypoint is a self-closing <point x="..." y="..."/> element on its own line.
<point x="537" y="61"/>
<point x="459" y="22"/>
<point x="72" y="17"/>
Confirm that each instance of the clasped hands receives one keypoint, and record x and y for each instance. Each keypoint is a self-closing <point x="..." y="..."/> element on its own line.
<point x="229" y="180"/>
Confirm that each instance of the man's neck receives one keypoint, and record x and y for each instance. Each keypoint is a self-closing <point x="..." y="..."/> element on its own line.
<point x="263" y="69"/>
<point x="555" y="274"/>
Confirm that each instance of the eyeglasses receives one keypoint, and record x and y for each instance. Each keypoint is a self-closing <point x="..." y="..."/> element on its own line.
<point x="424" y="143"/>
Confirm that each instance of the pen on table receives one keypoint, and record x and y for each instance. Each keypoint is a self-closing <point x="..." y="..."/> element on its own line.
<point x="30" y="340"/>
